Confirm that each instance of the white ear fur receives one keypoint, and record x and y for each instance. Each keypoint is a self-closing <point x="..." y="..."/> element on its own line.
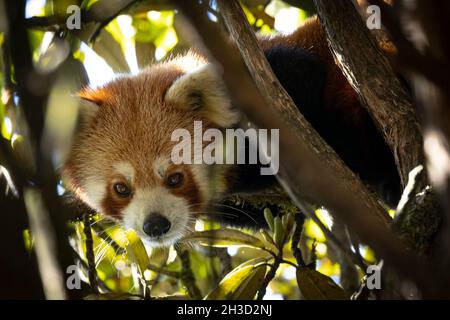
<point x="87" y="111"/>
<point x="204" y="92"/>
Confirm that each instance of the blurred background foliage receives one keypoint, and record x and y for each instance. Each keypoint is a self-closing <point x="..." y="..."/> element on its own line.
<point x="222" y="264"/>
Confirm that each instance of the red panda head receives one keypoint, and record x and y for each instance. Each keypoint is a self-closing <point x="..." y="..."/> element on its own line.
<point x="120" y="162"/>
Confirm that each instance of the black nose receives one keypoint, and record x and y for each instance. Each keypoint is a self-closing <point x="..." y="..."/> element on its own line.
<point x="156" y="225"/>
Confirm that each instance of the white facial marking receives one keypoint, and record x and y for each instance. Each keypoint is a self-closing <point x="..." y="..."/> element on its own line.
<point x="160" y="166"/>
<point x="125" y="169"/>
<point x="158" y="200"/>
<point x="94" y="192"/>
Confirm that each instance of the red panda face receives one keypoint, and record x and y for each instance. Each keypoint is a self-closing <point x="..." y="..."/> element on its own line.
<point x="120" y="162"/>
<point x="162" y="207"/>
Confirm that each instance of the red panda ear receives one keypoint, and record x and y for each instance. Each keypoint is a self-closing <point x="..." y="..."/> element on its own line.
<point x="90" y="102"/>
<point x="204" y="92"/>
<point x="87" y="111"/>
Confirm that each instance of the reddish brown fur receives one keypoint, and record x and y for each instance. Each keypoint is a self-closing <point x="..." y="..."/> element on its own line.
<point x="338" y="92"/>
<point x="188" y="189"/>
<point x="112" y="203"/>
<point x="125" y="130"/>
<point x="135" y="123"/>
<point x="339" y="96"/>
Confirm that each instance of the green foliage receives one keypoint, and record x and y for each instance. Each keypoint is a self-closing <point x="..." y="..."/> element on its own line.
<point x="217" y="262"/>
<point x="315" y="286"/>
<point x="128" y="270"/>
<point x="225" y="238"/>
<point x="242" y="283"/>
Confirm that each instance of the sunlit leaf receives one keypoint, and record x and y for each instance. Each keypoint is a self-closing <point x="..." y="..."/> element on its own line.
<point x="315" y="286"/>
<point x="268" y="216"/>
<point x="107" y="47"/>
<point x="167" y="40"/>
<point x="242" y="283"/>
<point x="313" y="231"/>
<point x="367" y="254"/>
<point x="278" y="235"/>
<point x="28" y="240"/>
<point x="35" y="37"/>
<point x="328" y="267"/>
<point x="6" y="125"/>
<point x="158" y="258"/>
<point x="225" y="238"/>
<point x="86" y="4"/>
<point x="146" y="31"/>
<point x="136" y="250"/>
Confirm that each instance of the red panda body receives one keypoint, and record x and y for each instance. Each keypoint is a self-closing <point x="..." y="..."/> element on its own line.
<point x="120" y="162"/>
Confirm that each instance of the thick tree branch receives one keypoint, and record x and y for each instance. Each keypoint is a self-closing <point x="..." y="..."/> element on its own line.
<point x="369" y="73"/>
<point x="279" y="99"/>
<point x="428" y="76"/>
<point x="303" y="174"/>
<point x="408" y="56"/>
<point x="100" y="11"/>
<point x="33" y="91"/>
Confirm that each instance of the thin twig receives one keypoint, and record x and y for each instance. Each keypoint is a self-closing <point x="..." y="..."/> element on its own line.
<point x="168" y="273"/>
<point x="106" y="21"/>
<point x="299" y="221"/>
<point x="33" y="103"/>
<point x="92" y="271"/>
<point x="187" y="276"/>
<point x="270" y="275"/>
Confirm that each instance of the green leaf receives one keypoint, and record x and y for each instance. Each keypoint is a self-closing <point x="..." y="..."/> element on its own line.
<point x="278" y="235"/>
<point x="242" y="283"/>
<point x="136" y="251"/>
<point x="269" y="218"/>
<point x="315" y="286"/>
<point x="28" y="240"/>
<point x="225" y="238"/>
<point x="158" y="258"/>
<point x="266" y="236"/>
<point x="106" y="46"/>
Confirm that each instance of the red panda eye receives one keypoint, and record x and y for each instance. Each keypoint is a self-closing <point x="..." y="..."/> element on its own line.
<point x="122" y="190"/>
<point x="175" y="180"/>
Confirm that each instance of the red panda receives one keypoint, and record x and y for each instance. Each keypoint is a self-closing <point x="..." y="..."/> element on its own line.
<point x="120" y="161"/>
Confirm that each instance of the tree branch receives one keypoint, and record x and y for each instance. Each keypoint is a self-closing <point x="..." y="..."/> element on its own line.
<point x="305" y="174"/>
<point x="92" y="271"/>
<point x="369" y="73"/>
<point x="33" y="91"/>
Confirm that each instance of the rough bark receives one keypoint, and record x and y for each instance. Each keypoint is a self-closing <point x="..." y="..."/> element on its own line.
<point x="279" y="99"/>
<point x="370" y="74"/>
<point x="33" y="91"/>
<point x="302" y="173"/>
<point x="426" y="60"/>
